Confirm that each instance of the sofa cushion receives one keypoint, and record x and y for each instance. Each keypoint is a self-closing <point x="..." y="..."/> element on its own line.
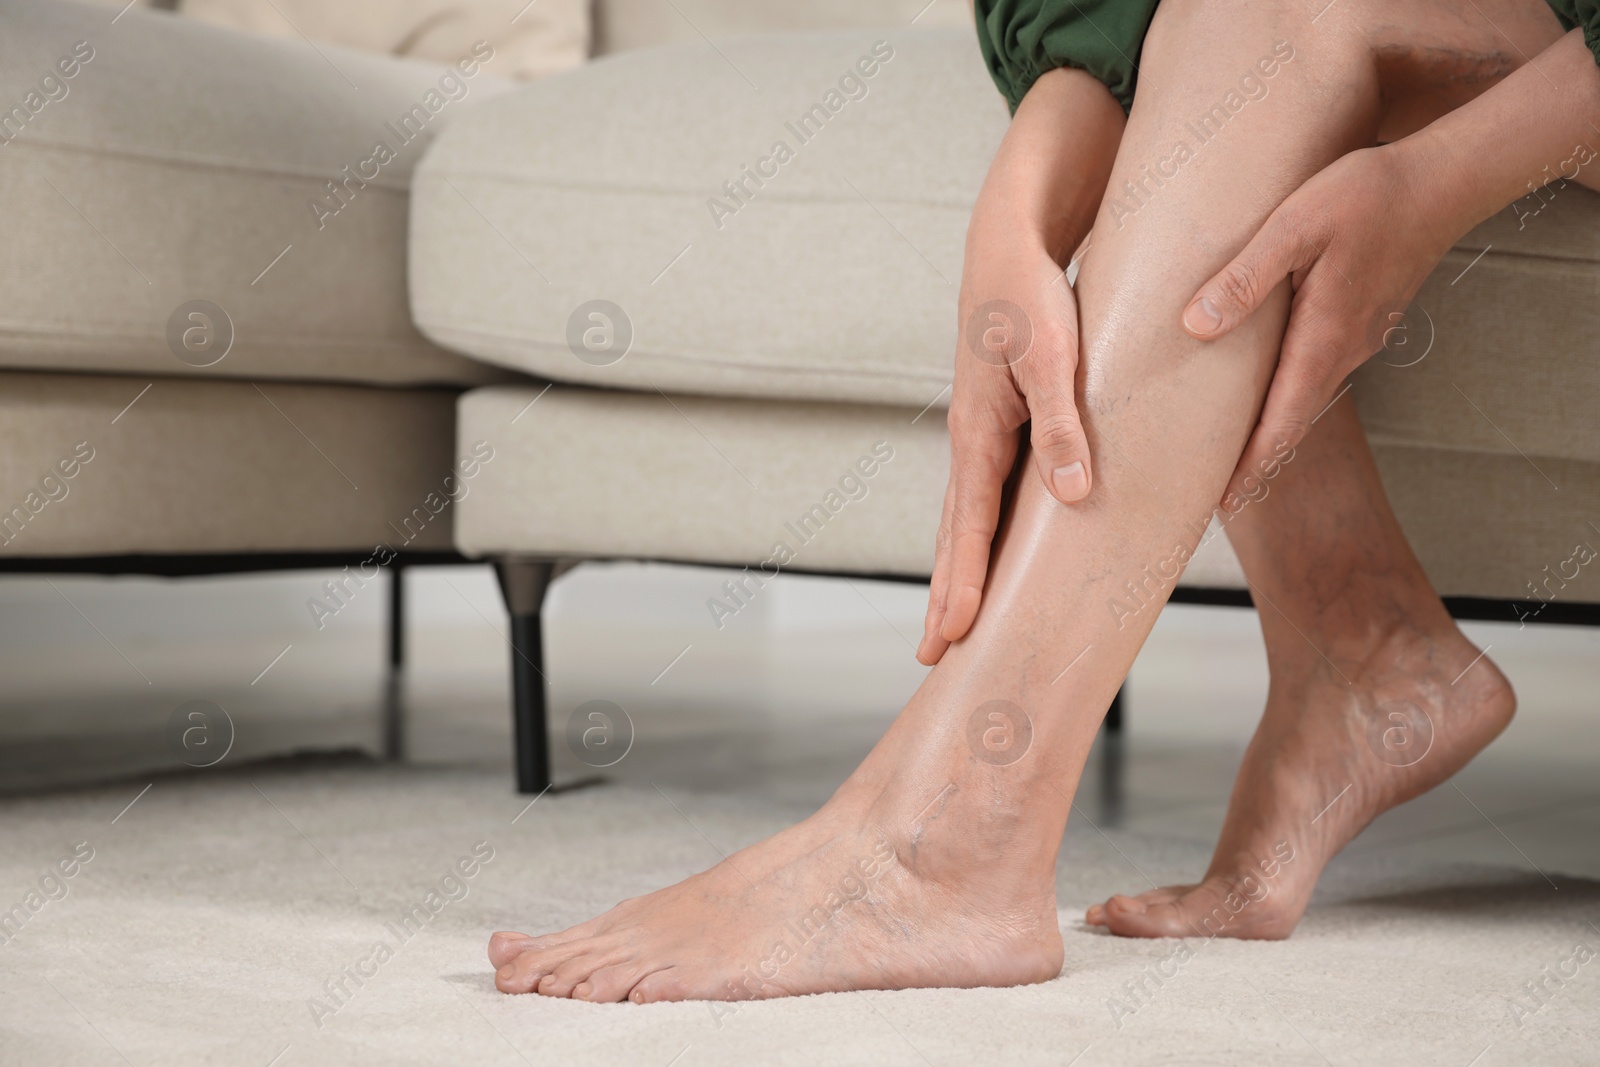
<point x="587" y="473"/>
<point x="834" y="280"/>
<point x="583" y="473"/>
<point x="529" y="40"/>
<point x="148" y="162"/>
<point x="104" y="465"/>
<point x="1497" y="354"/>
<point x="621" y="25"/>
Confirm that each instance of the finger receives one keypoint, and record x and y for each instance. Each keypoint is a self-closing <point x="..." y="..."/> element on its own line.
<point x="1060" y="450"/>
<point x="1237" y="290"/>
<point x="981" y="467"/>
<point x="932" y="647"/>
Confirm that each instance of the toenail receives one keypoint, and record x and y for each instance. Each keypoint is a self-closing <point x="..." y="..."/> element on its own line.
<point x="505" y="973"/>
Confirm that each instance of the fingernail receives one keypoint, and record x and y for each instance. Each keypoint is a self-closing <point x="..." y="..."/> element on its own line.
<point x="1201" y="317"/>
<point x="1070" y="482"/>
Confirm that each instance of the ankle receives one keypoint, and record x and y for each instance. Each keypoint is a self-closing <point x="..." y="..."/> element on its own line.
<point x="1347" y="639"/>
<point x="966" y="831"/>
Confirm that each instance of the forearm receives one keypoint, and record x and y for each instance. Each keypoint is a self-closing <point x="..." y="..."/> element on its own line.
<point x="1540" y="123"/>
<point x="1046" y="182"/>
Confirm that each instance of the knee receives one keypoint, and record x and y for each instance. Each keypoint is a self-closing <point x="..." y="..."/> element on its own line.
<point x="1229" y="16"/>
<point x="1197" y="23"/>
<point x="1190" y="31"/>
<point x="1206" y="61"/>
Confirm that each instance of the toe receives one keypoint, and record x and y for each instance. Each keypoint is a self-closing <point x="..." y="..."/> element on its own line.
<point x="607" y="985"/>
<point x="1096" y="915"/>
<point x="507" y="945"/>
<point x="564" y="978"/>
<point x="1141" y="917"/>
<point x="1159" y="920"/>
<point x="524" y="973"/>
<point x="1161" y="913"/>
<point x="1121" y="907"/>
<point x="659" y="986"/>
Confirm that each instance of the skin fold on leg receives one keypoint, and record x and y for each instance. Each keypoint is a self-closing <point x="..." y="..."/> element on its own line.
<point x="934" y="863"/>
<point x="1371" y="700"/>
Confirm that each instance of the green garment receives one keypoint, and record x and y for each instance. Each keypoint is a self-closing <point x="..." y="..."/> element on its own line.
<point x="1584" y="14"/>
<point x="1021" y="39"/>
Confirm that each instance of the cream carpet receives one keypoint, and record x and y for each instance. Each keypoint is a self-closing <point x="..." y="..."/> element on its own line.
<point x="216" y="911"/>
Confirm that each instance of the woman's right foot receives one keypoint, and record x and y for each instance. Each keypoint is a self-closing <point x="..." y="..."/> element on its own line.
<point x="850" y="899"/>
<point x="1331" y="753"/>
<point x="933" y="865"/>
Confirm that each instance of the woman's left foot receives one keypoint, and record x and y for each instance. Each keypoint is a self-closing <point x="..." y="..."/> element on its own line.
<point x="1332" y="753"/>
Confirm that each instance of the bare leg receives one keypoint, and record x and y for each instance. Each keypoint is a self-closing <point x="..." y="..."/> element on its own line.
<point x="1371" y="701"/>
<point x="934" y="863"/>
<point x="1376" y="696"/>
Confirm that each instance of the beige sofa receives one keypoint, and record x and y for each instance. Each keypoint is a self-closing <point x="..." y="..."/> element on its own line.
<point x="764" y="388"/>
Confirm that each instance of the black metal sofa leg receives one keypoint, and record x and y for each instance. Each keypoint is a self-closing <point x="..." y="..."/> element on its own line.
<point x="523" y="584"/>
<point x="394" y="725"/>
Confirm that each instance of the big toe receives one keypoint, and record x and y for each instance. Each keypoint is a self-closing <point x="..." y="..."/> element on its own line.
<point x="1129" y="917"/>
<point x="505" y="946"/>
<point x="1158" y="913"/>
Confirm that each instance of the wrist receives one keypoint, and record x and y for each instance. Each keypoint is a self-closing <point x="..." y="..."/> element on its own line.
<point x="1047" y="180"/>
<point x="1441" y="190"/>
<point x="1514" y="137"/>
<point x="1009" y="232"/>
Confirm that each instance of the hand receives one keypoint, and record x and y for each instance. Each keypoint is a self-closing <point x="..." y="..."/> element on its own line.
<point x="1357" y="241"/>
<point x="1017" y="353"/>
<point x="1016" y="360"/>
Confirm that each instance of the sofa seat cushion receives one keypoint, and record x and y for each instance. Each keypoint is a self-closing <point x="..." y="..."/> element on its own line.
<point x="796" y="485"/>
<point x="854" y="488"/>
<point x="95" y="465"/>
<point x="149" y="163"/>
<point x="834" y="278"/>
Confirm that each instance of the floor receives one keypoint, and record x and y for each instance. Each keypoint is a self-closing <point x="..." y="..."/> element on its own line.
<point x="224" y="898"/>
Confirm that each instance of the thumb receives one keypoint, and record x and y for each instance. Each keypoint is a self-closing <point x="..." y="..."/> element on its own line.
<point x="1234" y="292"/>
<point x="1060" y="449"/>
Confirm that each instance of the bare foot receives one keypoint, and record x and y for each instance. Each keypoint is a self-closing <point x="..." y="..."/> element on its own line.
<point x="1328" y="757"/>
<point x="884" y="888"/>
